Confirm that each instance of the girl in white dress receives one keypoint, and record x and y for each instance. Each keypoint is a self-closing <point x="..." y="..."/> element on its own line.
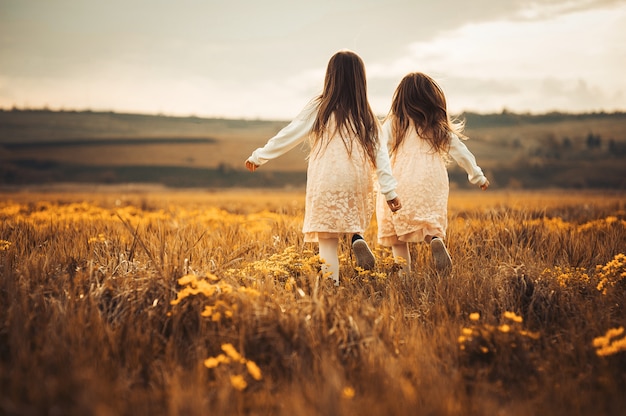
<point x="420" y="136"/>
<point x="344" y="136"/>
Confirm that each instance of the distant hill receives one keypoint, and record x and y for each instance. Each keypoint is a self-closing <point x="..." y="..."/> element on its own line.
<point x="515" y="150"/>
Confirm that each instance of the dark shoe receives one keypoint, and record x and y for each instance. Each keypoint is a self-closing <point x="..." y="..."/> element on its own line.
<point x="364" y="256"/>
<point x="443" y="262"/>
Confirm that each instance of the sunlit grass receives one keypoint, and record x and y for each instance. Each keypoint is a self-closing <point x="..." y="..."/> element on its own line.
<point x="211" y="303"/>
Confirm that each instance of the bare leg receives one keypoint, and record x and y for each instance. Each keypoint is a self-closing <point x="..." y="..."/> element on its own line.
<point x="328" y="253"/>
<point x="401" y="250"/>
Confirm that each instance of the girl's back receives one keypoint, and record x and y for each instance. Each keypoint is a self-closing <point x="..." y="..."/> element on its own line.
<point x="423" y="184"/>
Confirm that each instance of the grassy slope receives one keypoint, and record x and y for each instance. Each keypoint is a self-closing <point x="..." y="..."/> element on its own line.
<point x="551" y="150"/>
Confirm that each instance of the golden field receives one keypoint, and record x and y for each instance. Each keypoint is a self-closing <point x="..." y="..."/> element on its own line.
<point x="133" y="301"/>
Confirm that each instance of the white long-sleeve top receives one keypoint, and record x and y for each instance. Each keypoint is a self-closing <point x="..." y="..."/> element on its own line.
<point x="458" y="151"/>
<point x="465" y="159"/>
<point x="299" y="129"/>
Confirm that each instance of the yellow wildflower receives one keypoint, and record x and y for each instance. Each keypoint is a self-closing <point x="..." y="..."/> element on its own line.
<point x="232" y="352"/>
<point x="611" y="273"/>
<point x="606" y="339"/>
<point x="254" y="370"/>
<point x="187" y="279"/>
<point x="238" y="382"/>
<point x="609" y="343"/>
<point x="467" y="331"/>
<point x="513" y="317"/>
<point x="347" y="392"/>
<point x="213" y="362"/>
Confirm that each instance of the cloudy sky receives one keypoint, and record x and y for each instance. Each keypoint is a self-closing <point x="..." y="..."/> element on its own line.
<point x="266" y="58"/>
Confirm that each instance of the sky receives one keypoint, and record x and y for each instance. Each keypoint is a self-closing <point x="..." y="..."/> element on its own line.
<point x="265" y="59"/>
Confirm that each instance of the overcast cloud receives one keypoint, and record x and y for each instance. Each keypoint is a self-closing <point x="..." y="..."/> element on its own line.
<point x="265" y="59"/>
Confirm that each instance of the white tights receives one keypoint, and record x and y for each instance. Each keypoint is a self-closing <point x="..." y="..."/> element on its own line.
<point x="328" y="252"/>
<point x="402" y="250"/>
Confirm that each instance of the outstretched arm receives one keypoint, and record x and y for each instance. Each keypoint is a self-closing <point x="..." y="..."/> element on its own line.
<point x="286" y="139"/>
<point x="461" y="155"/>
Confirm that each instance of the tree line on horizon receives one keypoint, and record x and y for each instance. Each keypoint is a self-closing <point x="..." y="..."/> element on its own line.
<point x="475" y="118"/>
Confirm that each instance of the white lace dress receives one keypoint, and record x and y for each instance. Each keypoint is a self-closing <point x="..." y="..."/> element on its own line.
<point x="423" y="188"/>
<point x="340" y="192"/>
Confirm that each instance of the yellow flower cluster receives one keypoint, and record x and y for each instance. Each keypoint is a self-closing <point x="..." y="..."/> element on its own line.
<point x="611" y="273"/>
<point x="284" y="266"/>
<point x="601" y="224"/>
<point x="219" y="294"/>
<point x="222" y="298"/>
<point x="483" y="338"/>
<point x="232" y="356"/>
<point x="558" y="224"/>
<point x="568" y="276"/>
<point x="610" y="343"/>
<point x="10" y="210"/>
<point x="385" y="264"/>
<point x="554" y="223"/>
<point x="45" y="212"/>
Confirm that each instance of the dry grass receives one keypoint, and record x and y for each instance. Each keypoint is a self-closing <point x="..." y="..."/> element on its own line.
<point x="180" y="303"/>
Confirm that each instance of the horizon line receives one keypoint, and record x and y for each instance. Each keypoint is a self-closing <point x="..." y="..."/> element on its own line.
<point x="504" y="111"/>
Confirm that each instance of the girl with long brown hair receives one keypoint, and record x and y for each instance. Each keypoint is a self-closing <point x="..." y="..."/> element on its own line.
<point x="420" y="136"/>
<point x="344" y="136"/>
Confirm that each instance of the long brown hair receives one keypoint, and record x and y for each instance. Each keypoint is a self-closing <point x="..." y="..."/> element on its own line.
<point x="418" y="98"/>
<point x="345" y="97"/>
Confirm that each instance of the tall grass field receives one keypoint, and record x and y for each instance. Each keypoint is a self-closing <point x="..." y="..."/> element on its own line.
<point x="155" y="302"/>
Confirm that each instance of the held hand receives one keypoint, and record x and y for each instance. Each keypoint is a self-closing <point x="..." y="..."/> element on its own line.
<point x="394" y="204"/>
<point x="485" y="185"/>
<point x="251" y="166"/>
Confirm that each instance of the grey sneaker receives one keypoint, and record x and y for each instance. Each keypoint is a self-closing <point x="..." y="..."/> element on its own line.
<point x="364" y="256"/>
<point x="443" y="262"/>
